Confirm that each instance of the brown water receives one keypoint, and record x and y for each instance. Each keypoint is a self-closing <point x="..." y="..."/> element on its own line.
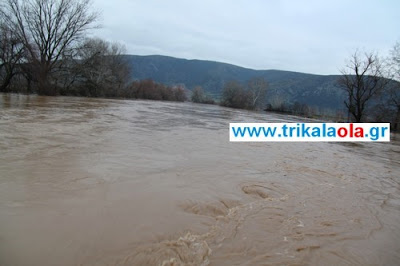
<point x="115" y="182"/>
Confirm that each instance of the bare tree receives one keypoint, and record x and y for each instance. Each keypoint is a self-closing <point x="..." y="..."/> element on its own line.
<point x="199" y="96"/>
<point x="102" y="68"/>
<point x="179" y="93"/>
<point x="11" y="54"/>
<point x="277" y="103"/>
<point x="257" y="88"/>
<point x="394" y="90"/>
<point x="362" y="79"/>
<point x="49" y="30"/>
<point x="235" y="95"/>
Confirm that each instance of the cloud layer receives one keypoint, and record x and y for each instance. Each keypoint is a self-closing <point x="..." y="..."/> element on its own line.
<point x="306" y="36"/>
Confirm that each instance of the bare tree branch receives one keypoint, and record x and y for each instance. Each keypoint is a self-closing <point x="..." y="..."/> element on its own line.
<point x="11" y="54"/>
<point x="49" y="28"/>
<point x="257" y="87"/>
<point x="362" y="79"/>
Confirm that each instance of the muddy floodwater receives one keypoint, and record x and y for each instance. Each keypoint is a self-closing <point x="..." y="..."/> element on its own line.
<point x="119" y="182"/>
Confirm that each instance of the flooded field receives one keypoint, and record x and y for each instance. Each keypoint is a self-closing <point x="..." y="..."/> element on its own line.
<point x="114" y="182"/>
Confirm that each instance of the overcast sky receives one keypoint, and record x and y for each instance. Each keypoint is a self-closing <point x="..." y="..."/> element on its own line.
<point x="312" y="36"/>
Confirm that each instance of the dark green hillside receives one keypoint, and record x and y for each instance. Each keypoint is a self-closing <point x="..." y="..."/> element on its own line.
<point x="315" y="90"/>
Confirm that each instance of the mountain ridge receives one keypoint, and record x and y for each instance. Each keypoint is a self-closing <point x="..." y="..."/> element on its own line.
<point x="289" y="86"/>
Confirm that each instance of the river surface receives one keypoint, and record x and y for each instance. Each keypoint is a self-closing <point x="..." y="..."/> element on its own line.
<point x="119" y="182"/>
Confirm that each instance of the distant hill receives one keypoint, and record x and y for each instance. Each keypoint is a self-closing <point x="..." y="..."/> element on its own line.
<point x="314" y="90"/>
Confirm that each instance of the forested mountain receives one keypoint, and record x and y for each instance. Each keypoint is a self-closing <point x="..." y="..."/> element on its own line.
<point x="314" y="90"/>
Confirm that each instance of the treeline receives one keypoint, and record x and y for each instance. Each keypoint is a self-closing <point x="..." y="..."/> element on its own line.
<point x="143" y="89"/>
<point x="370" y="85"/>
<point x="236" y="95"/>
<point x="148" y="89"/>
<point x="277" y="105"/>
<point x="254" y="96"/>
<point x="300" y="109"/>
<point x="199" y="96"/>
<point x="250" y="96"/>
<point x="43" y="51"/>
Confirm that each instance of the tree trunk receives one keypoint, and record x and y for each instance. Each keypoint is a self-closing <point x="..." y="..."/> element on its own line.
<point x="44" y="85"/>
<point x="397" y="120"/>
<point x="4" y="87"/>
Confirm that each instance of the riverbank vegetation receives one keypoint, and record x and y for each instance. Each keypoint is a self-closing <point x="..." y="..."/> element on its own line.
<point x="44" y="50"/>
<point x="199" y="96"/>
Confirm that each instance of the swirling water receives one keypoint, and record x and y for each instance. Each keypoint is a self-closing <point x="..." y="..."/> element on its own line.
<point x="120" y="182"/>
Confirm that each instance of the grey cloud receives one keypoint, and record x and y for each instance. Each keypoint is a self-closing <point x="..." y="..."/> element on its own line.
<point x="308" y="36"/>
